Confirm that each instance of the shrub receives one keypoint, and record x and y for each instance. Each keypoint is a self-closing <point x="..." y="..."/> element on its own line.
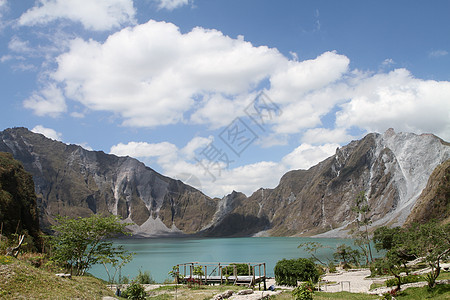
<point x="144" y="278"/>
<point x="241" y="269"/>
<point x="331" y="267"/>
<point x="404" y="279"/>
<point x="290" y="271"/>
<point x="134" y="291"/>
<point x="304" y="292"/>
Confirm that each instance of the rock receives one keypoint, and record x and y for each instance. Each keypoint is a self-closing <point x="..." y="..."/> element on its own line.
<point x="245" y="292"/>
<point x="224" y="295"/>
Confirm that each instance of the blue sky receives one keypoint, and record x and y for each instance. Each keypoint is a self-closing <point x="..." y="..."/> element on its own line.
<point x="225" y="95"/>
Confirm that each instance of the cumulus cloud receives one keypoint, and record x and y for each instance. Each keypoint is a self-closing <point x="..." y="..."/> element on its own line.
<point x="165" y="151"/>
<point x="305" y="155"/>
<point x="96" y="15"/>
<point x="48" y="132"/>
<point x="48" y="101"/>
<point x="219" y="179"/>
<point x="320" y="136"/>
<point x="171" y="4"/>
<point x="152" y="74"/>
<point x="398" y="100"/>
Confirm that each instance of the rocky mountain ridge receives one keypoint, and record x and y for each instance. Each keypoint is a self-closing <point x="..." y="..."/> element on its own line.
<point x="392" y="168"/>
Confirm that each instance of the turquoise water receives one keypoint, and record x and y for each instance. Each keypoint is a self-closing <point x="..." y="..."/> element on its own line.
<point x="158" y="256"/>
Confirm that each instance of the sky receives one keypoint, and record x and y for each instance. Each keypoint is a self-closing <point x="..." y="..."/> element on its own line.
<point x="224" y="95"/>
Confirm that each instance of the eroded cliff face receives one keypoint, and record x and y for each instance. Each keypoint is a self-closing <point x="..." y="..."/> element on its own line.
<point x="72" y="181"/>
<point x="391" y="168"/>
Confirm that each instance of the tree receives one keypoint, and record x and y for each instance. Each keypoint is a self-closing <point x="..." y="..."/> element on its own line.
<point x="80" y="243"/>
<point x="311" y="248"/>
<point x="395" y="240"/>
<point x="290" y="271"/>
<point x="116" y="262"/>
<point x="432" y="241"/>
<point x="363" y="220"/>
<point x="346" y="254"/>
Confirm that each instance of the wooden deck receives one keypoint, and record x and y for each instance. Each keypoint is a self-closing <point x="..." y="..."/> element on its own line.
<point x="215" y="273"/>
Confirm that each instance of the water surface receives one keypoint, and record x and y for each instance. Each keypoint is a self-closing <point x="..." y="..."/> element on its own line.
<point x="159" y="255"/>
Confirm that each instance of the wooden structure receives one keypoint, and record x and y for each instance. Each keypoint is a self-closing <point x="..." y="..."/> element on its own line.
<point x="212" y="273"/>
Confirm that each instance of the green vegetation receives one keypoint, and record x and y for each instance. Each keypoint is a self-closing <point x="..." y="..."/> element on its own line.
<point x="347" y="255"/>
<point x="363" y="220"/>
<point x="80" y="243"/>
<point x="134" y="291"/>
<point x="241" y="269"/>
<point x="21" y="280"/>
<point x="144" y="278"/>
<point x="18" y="209"/>
<point x="304" y="292"/>
<point x="430" y="241"/>
<point x="290" y="271"/>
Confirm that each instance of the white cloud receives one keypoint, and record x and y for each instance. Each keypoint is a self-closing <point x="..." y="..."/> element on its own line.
<point x="3" y="9"/>
<point x="306" y="156"/>
<point x="49" y="101"/>
<point x="18" y="45"/>
<point x="48" y="132"/>
<point x="318" y="136"/>
<point x="219" y="180"/>
<point x="93" y="15"/>
<point x="85" y="146"/>
<point x="438" y="53"/>
<point x="196" y="143"/>
<point x="292" y="83"/>
<point x="400" y="101"/>
<point x="143" y="149"/>
<point x="152" y="74"/>
<point x="171" y="4"/>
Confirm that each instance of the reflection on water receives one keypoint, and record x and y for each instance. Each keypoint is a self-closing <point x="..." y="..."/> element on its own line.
<point x="159" y="255"/>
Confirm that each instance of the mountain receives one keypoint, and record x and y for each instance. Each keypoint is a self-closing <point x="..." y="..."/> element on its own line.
<point x="434" y="201"/>
<point x="72" y="181"/>
<point x="18" y="208"/>
<point x="391" y="168"/>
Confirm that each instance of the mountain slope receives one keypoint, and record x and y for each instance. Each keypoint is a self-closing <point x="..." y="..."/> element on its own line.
<point x="392" y="168"/>
<point x="75" y="182"/>
<point x="434" y="201"/>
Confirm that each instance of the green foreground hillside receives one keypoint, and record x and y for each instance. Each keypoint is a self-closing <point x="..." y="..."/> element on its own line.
<point x="20" y="280"/>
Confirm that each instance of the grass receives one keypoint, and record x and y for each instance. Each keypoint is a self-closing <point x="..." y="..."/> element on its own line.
<point x="322" y="295"/>
<point x="21" y="280"/>
<point x="440" y="292"/>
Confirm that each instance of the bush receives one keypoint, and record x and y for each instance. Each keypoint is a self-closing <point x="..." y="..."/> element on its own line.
<point x="331" y="267"/>
<point x="304" y="292"/>
<point x="405" y="279"/>
<point x="241" y="269"/>
<point x="144" y="278"/>
<point x="134" y="291"/>
<point x="290" y="271"/>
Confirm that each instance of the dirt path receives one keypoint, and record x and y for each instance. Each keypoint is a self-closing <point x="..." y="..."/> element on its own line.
<point x="350" y="281"/>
